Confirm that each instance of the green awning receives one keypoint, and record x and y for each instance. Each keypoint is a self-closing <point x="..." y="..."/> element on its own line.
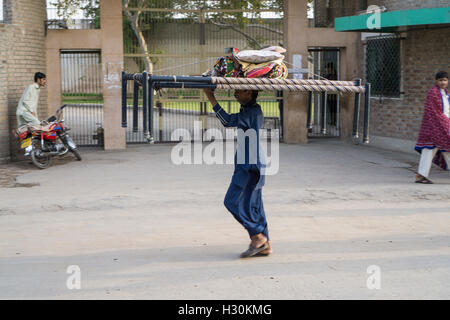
<point x="390" y="21"/>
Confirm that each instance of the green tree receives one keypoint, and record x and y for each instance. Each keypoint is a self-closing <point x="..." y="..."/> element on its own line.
<point x="240" y="22"/>
<point x="66" y="9"/>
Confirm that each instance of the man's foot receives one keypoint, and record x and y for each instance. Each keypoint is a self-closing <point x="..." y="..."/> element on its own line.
<point x="265" y="252"/>
<point x="421" y="179"/>
<point x="258" y="240"/>
<point x="258" y="244"/>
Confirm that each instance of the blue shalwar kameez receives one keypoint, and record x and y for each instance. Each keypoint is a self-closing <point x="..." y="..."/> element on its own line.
<point x="244" y="196"/>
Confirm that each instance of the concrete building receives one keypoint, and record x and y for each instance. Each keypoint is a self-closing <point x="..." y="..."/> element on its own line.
<point x="27" y="47"/>
<point x="411" y="40"/>
<point x="108" y="41"/>
<point x="413" y="52"/>
<point x="300" y="38"/>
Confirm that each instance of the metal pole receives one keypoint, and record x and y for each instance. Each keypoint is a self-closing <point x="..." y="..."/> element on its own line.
<point x="159" y="107"/>
<point x="181" y="79"/>
<point x="124" y="101"/>
<point x="150" y="109"/>
<point x="338" y="95"/>
<point x="135" y="105"/>
<point x="183" y="85"/>
<point x="367" y="113"/>
<point x="229" y="101"/>
<point x="145" y="101"/>
<point x="355" y="134"/>
<point x="280" y="109"/>
<point x="324" y="112"/>
<point x="309" y="122"/>
<point x="318" y="107"/>
<point x="203" y="118"/>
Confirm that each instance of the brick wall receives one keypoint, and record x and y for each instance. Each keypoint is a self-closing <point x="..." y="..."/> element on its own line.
<point x="325" y="11"/>
<point x="4" y="121"/>
<point x="425" y="53"/>
<point x="392" y="5"/>
<point x="23" y="54"/>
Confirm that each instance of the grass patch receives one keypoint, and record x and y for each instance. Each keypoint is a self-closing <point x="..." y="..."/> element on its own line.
<point x="269" y="108"/>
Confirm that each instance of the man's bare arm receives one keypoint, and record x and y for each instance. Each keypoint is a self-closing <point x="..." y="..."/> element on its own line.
<point x="210" y="96"/>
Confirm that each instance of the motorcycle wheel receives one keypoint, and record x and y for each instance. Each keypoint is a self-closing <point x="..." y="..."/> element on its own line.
<point x="76" y="154"/>
<point x="39" y="160"/>
<point x="70" y="144"/>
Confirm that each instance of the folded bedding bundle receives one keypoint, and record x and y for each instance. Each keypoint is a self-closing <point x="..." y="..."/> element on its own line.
<point x="264" y="63"/>
<point x="258" y="56"/>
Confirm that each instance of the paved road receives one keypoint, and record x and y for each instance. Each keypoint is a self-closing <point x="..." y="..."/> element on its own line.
<point x="138" y="226"/>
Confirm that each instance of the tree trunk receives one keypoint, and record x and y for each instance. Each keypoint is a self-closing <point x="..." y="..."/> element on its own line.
<point x="134" y="23"/>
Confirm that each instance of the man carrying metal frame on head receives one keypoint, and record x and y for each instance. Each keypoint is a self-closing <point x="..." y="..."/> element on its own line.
<point x="244" y="195"/>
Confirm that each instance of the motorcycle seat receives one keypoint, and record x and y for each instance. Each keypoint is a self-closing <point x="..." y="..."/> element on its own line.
<point x="45" y="128"/>
<point x="21" y="132"/>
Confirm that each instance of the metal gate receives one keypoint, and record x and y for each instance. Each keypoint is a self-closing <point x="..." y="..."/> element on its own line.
<point x="188" y="42"/>
<point x="324" y="108"/>
<point x="82" y="86"/>
<point x="183" y="113"/>
<point x="185" y="109"/>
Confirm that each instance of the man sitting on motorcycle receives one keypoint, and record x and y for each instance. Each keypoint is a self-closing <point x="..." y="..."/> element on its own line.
<point x="27" y="109"/>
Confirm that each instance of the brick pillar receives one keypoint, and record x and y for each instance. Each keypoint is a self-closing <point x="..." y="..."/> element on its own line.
<point x="112" y="61"/>
<point x="295" y="40"/>
<point x="4" y="122"/>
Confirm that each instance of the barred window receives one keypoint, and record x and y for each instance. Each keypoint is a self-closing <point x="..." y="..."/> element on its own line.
<point x="1" y="11"/>
<point x="5" y="8"/>
<point x="326" y="11"/>
<point x="383" y="67"/>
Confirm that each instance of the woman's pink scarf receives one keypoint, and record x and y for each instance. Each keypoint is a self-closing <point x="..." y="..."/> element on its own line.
<point x="435" y="128"/>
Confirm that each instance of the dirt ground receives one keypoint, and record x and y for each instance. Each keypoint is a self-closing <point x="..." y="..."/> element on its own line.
<point x="137" y="226"/>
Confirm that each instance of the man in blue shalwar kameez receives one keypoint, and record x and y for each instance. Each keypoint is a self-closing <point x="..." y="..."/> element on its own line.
<point x="244" y="196"/>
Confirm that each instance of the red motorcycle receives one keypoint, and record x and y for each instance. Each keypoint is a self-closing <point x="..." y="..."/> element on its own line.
<point x="46" y="141"/>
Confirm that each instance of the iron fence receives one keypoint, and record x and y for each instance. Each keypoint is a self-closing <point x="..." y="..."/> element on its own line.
<point x="5" y="12"/>
<point x="151" y="82"/>
<point x="172" y="111"/>
<point x="85" y="121"/>
<point x="324" y="108"/>
<point x="170" y="115"/>
<point x="188" y="41"/>
<point x="82" y="86"/>
<point x="72" y="18"/>
<point x="185" y="45"/>
<point x="81" y="73"/>
<point x="1" y="12"/>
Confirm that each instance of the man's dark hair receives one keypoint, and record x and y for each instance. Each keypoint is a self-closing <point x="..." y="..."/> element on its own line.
<point x="441" y="75"/>
<point x="39" y="75"/>
<point x="255" y="94"/>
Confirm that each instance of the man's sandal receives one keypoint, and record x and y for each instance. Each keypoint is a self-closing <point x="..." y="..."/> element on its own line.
<point x="252" y="250"/>
<point x="424" y="180"/>
<point x="261" y="254"/>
